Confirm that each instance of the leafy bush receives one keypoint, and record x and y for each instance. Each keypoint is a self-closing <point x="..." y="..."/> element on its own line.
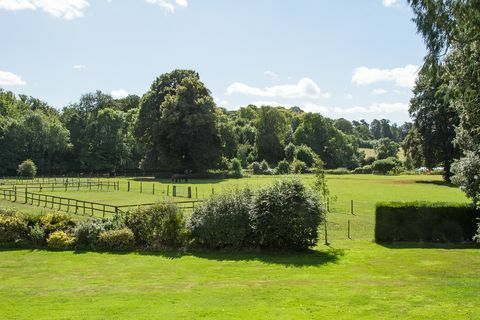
<point x="87" y="232"/>
<point x="424" y="221"/>
<point x="37" y="235"/>
<point x="385" y="148"/>
<point x="264" y="166"/>
<point x="13" y="226"/>
<point x="299" y="166"/>
<point x="236" y="168"/>
<point x="466" y="175"/>
<point x="286" y="216"/>
<point x="52" y="222"/>
<point x="27" y="169"/>
<point x="305" y="154"/>
<point x="116" y="240"/>
<point x="363" y="170"/>
<point x="222" y="221"/>
<point x="386" y="165"/>
<point x="283" y="167"/>
<point x="256" y="168"/>
<point x="369" y="160"/>
<point x="290" y="152"/>
<point x="157" y="226"/>
<point x="60" y="240"/>
<point x="338" y="171"/>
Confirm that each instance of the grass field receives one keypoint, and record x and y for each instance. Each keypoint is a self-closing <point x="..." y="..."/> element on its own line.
<point x="350" y="279"/>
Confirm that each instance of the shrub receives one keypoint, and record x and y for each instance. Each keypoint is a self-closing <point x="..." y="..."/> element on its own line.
<point x="363" y="170"/>
<point x="87" y="232"/>
<point x="157" y="226"/>
<point x="236" y="168"/>
<point x="13" y="226"/>
<point x="222" y="221"/>
<point x="369" y="160"/>
<point x="305" y="154"/>
<point x="384" y="166"/>
<point x="283" y="167"/>
<point x="27" y="169"/>
<point x="256" y="168"/>
<point x="264" y="166"/>
<point x="37" y="235"/>
<point x="52" y="222"/>
<point x="60" y="240"/>
<point x="424" y="221"/>
<point x="385" y="148"/>
<point x="299" y="166"/>
<point x="290" y="152"/>
<point x="116" y="240"/>
<point x="286" y="216"/>
<point x="466" y="172"/>
<point x="338" y="171"/>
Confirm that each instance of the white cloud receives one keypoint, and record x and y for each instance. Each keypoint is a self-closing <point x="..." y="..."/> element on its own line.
<point x="220" y="102"/>
<point x="349" y="96"/>
<point x="169" y="5"/>
<point x="379" y="91"/>
<point x="391" y="3"/>
<point x="312" y="107"/>
<point x="79" y="67"/>
<point x="378" y="108"/>
<point x="305" y="88"/>
<point x="402" y="77"/>
<point x="272" y="75"/>
<point x="10" y="79"/>
<point x="119" y="94"/>
<point x="66" y="9"/>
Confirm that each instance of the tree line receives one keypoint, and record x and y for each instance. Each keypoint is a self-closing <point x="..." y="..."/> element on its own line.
<point x="175" y="126"/>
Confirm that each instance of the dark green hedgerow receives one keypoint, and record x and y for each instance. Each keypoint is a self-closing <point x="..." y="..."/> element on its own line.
<point x="424" y="221"/>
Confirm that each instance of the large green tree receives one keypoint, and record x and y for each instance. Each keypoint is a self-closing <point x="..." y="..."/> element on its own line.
<point x="177" y="124"/>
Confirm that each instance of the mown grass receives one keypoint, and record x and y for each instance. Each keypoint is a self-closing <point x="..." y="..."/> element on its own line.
<point x="361" y="281"/>
<point x="350" y="279"/>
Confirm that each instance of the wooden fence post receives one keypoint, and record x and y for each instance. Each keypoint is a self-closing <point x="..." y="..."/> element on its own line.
<point x="189" y="190"/>
<point x="326" y="234"/>
<point x="168" y="190"/>
<point x="128" y="186"/>
<point x="174" y="191"/>
<point x="26" y="191"/>
<point x="351" y="206"/>
<point x="141" y="187"/>
<point x="196" y="192"/>
<point x="15" y="195"/>
<point x="153" y="188"/>
<point x="348" y="232"/>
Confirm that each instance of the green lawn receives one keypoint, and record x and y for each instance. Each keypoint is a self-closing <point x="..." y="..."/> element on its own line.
<point x="350" y="279"/>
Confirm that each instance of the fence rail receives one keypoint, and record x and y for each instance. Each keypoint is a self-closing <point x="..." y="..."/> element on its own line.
<point x="76" y="206"/>
<point x="64" y="186"/>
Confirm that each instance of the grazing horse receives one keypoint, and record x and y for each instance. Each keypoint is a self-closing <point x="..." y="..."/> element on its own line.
<point x="179" y="177"/>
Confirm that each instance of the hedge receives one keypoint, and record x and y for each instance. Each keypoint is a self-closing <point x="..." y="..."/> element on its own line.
<point x="424" y="221"/>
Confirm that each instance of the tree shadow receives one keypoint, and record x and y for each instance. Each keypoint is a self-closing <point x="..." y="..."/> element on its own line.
<point x="438" y="183"/>
<point x="429" y="245"/>
<point x="286" y="258"/>
<point x="296" y="259"/>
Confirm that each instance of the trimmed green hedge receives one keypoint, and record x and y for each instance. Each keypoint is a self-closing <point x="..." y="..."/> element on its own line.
<point x="424" y="221"/>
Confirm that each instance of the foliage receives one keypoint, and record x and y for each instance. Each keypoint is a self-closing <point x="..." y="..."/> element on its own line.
<point x="285" y="215"/>
<point x="236" y="168"/>
<point x="256" y="167"/>
<point x="60" y="240"/>
<point x="27" y="169"/>
<point x="37" y="235"/>
<point x="271" y="125"/>
<point x="290" y="152"/>
<point x="116" y="240"/>
<point x="177" y="124"/>
<point x="58" y="221"/>
<point x="283" y="167"/>
<point x="306" y="155"/>
<point x="386" y="148"/>
<point x="466" y="175"/>
<point x="87" y="232"/>
<point x="223" y="221"/>
<point x="386" y="165"/>
<point x="363" y="170"/>
<point x="160" y="225"/>
<point x="298" y="166"/>
<point x="13" y="226"/>
<point x="424" y="221"/>
<point x="320" y="184"/>
<point x="264" y="166"/>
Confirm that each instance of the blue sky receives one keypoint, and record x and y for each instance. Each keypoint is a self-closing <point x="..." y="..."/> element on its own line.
<point x="350" y="58"/>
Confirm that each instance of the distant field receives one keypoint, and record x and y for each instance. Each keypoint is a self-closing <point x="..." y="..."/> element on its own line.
<point x="371" y="153"/>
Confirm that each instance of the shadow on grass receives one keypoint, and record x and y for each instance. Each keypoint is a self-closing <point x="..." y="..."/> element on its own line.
<point x="438" y="183"/>
<point x="429" y="245"/>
